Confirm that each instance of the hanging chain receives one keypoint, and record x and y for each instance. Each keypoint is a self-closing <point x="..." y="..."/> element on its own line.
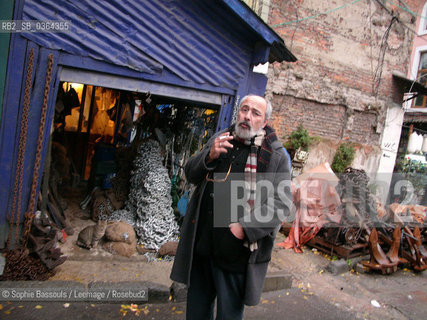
<point x="17" y="190"/>
<point x="29" y="215"/>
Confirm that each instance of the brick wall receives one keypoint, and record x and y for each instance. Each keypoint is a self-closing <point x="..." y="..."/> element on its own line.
<point x="362" y="128"/>
<point x="330" y="89"/>
<point x="328" y="121"/>
<point x="319" y="120"/>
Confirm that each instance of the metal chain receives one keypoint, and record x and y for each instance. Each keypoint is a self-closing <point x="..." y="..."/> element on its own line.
<point x="148" y="208"/>
<point x="21" y="266"/>
<point x="29" y="216"/>
<point x="17" y="190"/>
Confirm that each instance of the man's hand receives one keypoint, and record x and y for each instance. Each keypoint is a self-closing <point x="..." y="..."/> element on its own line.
<point x="219" y="146"/>
<point x="237" y="230"/>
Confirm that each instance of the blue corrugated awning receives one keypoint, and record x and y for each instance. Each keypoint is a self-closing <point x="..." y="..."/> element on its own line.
<point x="201" y="41"/>
<point x="278" y="50"/>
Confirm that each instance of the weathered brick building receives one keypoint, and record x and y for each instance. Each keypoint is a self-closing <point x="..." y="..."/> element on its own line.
<point x="341" y="88"/>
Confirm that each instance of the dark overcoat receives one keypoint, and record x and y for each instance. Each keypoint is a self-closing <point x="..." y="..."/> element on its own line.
<point x="263" y="233"/>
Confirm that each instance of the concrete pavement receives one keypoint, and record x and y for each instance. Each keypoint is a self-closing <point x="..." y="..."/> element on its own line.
<point x="315" y="293"/>
<point x="283" y="304"/>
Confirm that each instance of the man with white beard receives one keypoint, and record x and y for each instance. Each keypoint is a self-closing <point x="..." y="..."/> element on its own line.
<point x="229" y="262"/>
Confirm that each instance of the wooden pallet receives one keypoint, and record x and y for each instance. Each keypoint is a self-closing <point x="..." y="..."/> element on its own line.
<point x="343" y="251"/>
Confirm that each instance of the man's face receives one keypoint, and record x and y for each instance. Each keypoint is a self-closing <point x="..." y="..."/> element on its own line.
<point x="251" y="117"/>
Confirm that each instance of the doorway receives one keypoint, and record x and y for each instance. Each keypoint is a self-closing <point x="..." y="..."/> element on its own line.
<point x="93" y="148"/>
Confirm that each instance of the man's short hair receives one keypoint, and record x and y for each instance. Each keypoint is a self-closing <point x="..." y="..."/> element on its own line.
<point x="269" y="109"/>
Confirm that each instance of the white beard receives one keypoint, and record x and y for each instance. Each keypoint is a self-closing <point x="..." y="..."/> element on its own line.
<point x="246" y="134"/>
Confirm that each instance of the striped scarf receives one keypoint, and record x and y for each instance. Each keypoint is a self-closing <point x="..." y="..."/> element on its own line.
<point x="256" y="162"/>
<point x="251" y="166"/>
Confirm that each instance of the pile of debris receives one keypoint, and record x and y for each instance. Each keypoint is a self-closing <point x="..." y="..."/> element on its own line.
<point x="342" y="217"/>
<point x="37" y="259"/>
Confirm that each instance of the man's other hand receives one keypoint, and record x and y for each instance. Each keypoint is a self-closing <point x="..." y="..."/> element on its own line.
<point x="237" y="230"/>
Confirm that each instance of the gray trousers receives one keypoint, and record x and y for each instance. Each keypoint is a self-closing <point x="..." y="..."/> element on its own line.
<point x="207" y="282"/>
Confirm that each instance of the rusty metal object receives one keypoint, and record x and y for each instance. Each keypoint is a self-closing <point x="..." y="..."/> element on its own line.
<point x="379" y="260"/>
<point x="417" y="235"/>
<point x="356" y="197"/>
<point x="393" y="253"/>
<point x="418" y="259"/>
<point x="352" y="235"/>
<point x="413" y="251"/>
<point x="17" y="190"/>
<point x="357" y="209"/>
<point x="361" y="220"/>
<point x="22" y="266"/>
<point x="29" y="216"/>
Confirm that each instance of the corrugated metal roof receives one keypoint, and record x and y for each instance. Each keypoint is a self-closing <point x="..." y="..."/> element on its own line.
<point x="199" y="41"/>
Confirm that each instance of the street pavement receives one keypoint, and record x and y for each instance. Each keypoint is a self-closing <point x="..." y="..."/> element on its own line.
<point x="315" y="292"/>
<point x="285" y="304"/>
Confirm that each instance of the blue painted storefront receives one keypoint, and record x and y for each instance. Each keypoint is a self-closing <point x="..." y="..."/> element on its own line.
<point x="200" y="50"/>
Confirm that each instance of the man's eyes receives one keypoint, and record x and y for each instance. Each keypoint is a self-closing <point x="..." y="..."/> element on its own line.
<point x="255" y="112"/>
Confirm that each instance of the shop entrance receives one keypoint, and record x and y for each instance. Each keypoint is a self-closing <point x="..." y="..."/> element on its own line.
<point x="90" y="117"/>
<point x="99" y="146"/>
